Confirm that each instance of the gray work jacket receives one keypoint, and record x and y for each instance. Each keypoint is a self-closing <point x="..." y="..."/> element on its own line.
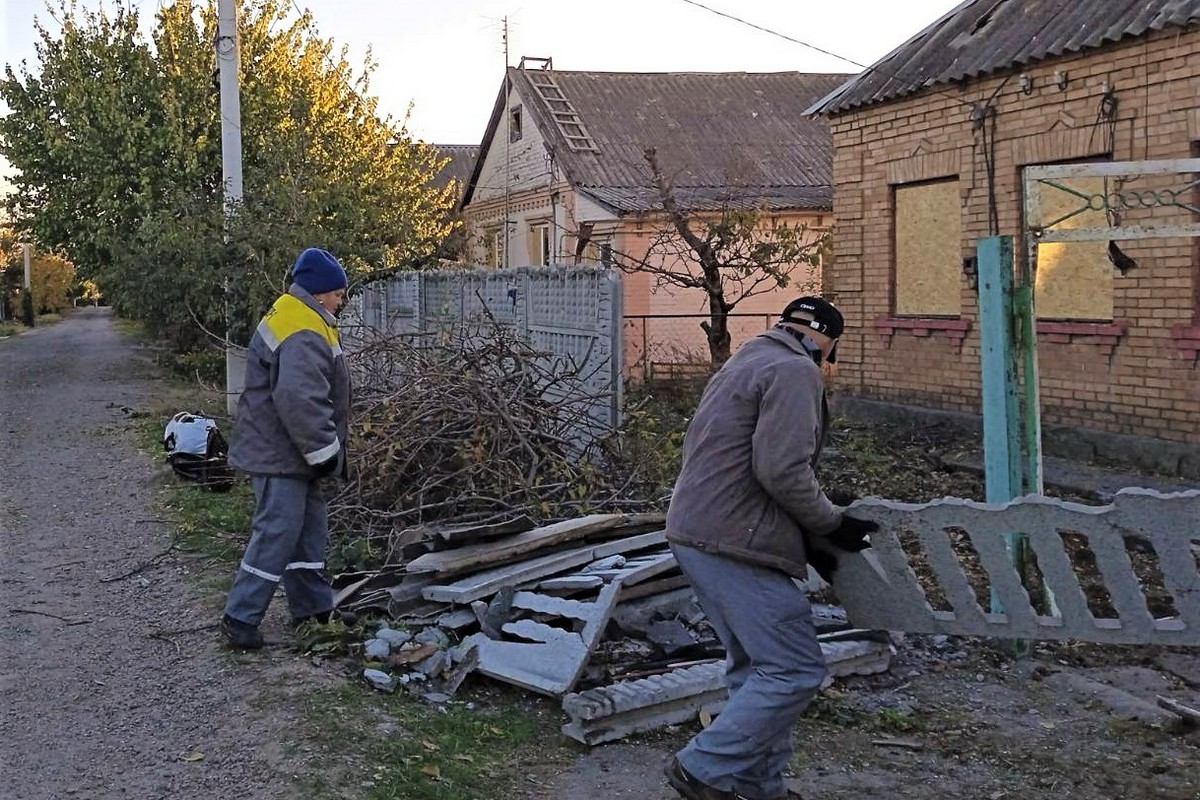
<point x="747" y="486"/>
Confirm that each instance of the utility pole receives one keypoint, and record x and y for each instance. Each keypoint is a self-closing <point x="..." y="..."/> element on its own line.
<point x="28" y="284"/>
<point x="226" y="45"/>
<point x="508" y="121"/>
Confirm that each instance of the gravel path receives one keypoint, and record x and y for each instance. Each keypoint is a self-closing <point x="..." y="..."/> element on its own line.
<point x="99" y="698"/>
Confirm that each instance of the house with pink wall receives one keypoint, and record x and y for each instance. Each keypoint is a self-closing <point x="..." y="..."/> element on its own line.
<point x="561" y="178"/>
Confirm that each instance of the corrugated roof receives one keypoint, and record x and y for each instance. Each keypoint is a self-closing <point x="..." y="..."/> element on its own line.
<point x="740" y="137"/>
<point x="458" y="168"/>
<point x="983" y="36"/>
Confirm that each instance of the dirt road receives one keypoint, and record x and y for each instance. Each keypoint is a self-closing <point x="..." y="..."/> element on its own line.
<point x="113" y="684"/>
<point x="99" y="699"/>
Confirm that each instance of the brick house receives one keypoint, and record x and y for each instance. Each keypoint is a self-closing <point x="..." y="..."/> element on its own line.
<point x="562" y="159"/>
<point x="988" y="89"/>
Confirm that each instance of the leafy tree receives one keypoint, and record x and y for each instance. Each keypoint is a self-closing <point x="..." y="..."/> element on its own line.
<point x="12" y="272"/>
<point x="118" y="143"/>
<point x="50" y="279"/>
<point x="731" y="254"/>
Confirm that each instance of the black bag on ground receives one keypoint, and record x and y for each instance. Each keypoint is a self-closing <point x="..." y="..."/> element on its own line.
<point x="197" y="451"/>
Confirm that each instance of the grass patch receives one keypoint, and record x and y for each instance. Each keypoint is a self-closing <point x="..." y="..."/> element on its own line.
<point x="211" y="524"/>
<point x="395" y="747"/>
<point x="10" y="328"/>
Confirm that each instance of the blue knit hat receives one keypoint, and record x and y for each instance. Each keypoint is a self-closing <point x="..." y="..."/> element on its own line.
<point x="317" y="271"/>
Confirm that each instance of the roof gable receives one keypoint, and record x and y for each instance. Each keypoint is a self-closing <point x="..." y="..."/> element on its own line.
<point x="983" y="36"/>
<point x="720" y="137"/>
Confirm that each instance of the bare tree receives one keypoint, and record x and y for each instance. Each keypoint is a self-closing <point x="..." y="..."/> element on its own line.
<point x="731" y="253"/>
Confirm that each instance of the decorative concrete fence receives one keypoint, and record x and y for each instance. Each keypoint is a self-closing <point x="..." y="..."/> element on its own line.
<point x="1122" y="573"/>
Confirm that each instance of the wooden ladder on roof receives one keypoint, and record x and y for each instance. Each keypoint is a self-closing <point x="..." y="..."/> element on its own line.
<point x="563" y="112"/>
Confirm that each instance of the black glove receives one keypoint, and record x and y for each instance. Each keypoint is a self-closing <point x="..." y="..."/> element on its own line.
<point x="849" y="537"/>
<point x="328" y="466"/>
<point x="840" y="497"/>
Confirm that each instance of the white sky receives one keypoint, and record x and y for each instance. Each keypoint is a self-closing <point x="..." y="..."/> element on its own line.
<point x="447" y="58"/>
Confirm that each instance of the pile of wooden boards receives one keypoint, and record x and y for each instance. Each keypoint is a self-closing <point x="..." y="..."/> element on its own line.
<point x="536" y="602"/>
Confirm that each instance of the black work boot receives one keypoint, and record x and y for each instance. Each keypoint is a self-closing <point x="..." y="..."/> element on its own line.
<point x="239" y="634"/>
<point x="690" y="787"/>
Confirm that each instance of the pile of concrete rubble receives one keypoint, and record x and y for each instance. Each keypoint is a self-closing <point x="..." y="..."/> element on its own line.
<point x="592" y="610"/>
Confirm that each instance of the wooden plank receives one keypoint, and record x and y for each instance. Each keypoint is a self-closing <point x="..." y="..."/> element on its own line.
<point x="630" y="544"/>
<point x="459" y="535"/>
<point x="514" y="547"/>
<point x="479" y="585"/>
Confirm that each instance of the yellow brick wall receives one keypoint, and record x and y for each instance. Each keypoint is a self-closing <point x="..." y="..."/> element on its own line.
<point x="1146" y="384"/>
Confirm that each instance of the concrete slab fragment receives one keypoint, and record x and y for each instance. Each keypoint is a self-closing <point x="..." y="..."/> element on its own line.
<point x="549" y="660"/>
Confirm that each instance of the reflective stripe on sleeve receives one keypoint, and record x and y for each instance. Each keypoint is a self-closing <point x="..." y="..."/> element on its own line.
<point x="324" y="454"/>
<point x="306" y="565"/>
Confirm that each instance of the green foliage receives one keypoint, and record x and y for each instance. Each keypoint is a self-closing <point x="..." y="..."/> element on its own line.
<point x="118" y="145"/>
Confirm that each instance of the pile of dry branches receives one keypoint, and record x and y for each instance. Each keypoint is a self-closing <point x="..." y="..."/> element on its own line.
<point x="474" y="427"/>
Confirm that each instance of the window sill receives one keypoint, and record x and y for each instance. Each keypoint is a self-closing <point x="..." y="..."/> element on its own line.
<point x="1187" y="339"/>
<point x="1103" y="334"/>
<point x="954" y="328"/>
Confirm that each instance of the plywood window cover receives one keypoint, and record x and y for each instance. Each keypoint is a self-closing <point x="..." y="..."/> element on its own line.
<point x="924" y="285"/>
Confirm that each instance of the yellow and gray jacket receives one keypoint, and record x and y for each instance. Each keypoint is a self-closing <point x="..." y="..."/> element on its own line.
<point x="294" y="410"/>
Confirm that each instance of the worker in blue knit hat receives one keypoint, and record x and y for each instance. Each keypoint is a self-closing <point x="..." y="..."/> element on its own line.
<point x="290" y="432"/>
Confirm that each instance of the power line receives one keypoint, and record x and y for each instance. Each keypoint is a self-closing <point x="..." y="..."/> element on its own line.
<point x="793" y="40"/>
<point x="776" y="33"/>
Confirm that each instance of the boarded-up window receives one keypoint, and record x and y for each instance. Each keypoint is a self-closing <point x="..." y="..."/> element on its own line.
<point x="538" y="244"/>
<point x="493" y="247"/>
<point x="1074" y="279"/>
<point x="928" y="249"/>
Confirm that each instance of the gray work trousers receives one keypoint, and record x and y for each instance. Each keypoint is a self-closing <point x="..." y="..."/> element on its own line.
<point x="774" y="668"/>
<point x="289" y="534"/>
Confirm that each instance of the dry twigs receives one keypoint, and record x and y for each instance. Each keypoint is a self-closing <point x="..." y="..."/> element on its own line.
<point x="474" y="426"/>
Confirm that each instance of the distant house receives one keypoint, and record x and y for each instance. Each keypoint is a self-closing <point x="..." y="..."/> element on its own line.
<point x="563" y="162"/>
<point x="988" y="89"/>
<point x="460" y="162"/>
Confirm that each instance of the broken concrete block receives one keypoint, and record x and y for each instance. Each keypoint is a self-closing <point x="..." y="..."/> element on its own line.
<point x="376" y="649"/>
<point x="670" y="635"/>
<point x="394" y="638"/>
<point x="433" y="665"/>
<point x="608" y="713"/>
<point x="433" y="636"/>
<point x="493" y="614"/>
<point x="465" y="658"/>
<point x="550" y="659"/>
<point x="380" y="680"/>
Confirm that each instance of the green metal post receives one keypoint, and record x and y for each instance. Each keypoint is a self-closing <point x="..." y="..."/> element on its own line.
<point x="998" y="355"/>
